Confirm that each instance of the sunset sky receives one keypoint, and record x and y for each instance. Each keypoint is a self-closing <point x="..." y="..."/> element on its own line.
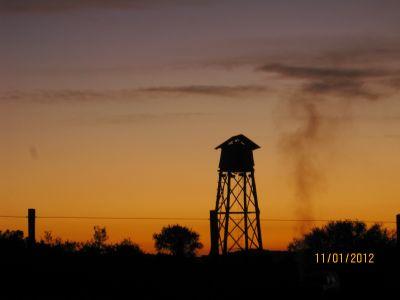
<point x="113" y="108"/>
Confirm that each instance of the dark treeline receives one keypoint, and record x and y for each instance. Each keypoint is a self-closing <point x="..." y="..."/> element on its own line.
<point x="97" y="269"/>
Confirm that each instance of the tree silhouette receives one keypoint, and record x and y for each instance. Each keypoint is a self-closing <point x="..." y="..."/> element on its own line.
<point x="48" y="237"/>
<point x="99" y="236"/>
<point x="177" y="240"/>
<point x="344" y="235"/>
<point x="97" y="245"/>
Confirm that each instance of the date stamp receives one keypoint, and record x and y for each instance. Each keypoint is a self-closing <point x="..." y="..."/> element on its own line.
<point x="344" y="258"/>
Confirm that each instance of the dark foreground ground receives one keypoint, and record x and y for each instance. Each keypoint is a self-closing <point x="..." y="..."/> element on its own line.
<point x="263" y="275"/>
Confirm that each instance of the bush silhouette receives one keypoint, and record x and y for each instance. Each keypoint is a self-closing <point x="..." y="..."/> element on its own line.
<point x="125" y="248"/>
<point x="56" y="245"/>
<point x="344" y="235"/>
<point x="96" y="246"/>
<point x="177" y="240"/>
<point x="11" y="240"/>
<point x="12" y="236"/>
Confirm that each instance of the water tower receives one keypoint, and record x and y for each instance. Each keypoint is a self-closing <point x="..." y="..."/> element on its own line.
<point x="235" y="222"/>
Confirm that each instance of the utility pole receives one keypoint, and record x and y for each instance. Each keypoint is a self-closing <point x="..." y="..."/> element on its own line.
<point x="31" y="227"/>
<point x="398" y="229"/>
<point x="214" y="233"/>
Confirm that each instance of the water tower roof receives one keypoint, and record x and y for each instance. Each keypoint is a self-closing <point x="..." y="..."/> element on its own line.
<point x="239" y="139"/>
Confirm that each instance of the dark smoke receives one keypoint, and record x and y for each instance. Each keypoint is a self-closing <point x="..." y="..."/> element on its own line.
<point x="302" y="148"/>
<point x="33" y="152"/>
<point x="299" y="148"/>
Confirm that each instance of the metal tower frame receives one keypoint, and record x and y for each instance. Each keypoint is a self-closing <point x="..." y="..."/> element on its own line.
<point x="237" y="212"/>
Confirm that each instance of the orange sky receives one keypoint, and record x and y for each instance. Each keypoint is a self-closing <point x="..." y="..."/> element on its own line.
<point x="167" y="167"/>
<point x="107" y="112"/>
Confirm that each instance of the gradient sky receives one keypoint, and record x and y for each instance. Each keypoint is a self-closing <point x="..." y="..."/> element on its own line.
<point x="114" y="109"/>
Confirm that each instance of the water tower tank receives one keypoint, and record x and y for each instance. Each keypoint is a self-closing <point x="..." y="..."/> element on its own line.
<point x="237" y="154"/>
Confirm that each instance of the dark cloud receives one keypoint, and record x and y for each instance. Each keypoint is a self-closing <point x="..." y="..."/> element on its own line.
<point x="136" y="118"/>
<point x="362" y="67"/>
<point x="226" y="91"/>
<point x="321" y="72"/>
<point x="348" y="82"/>
<point x="29" y="6"/>
<point x="393" y="82"/>
<point x="369" y="52"/>
<point x="307" y="50"/>
<point x="392" y="136"/>
<point x="56" y="96"/>
<point x="48" y="6"/>
<point x="346" y="88"/>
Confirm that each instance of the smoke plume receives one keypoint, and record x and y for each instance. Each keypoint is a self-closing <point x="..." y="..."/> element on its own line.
<point x="303" y="147"/>
<point x="300" y="148"/>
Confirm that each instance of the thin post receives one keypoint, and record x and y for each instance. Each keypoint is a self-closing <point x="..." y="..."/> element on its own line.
<point x="31" y="226"/>
<point x="214" y="234"/>
<point x="398" y="229"/>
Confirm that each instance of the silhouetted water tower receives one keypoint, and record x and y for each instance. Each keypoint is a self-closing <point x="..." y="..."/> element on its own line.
<point x="235" y="222"/>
